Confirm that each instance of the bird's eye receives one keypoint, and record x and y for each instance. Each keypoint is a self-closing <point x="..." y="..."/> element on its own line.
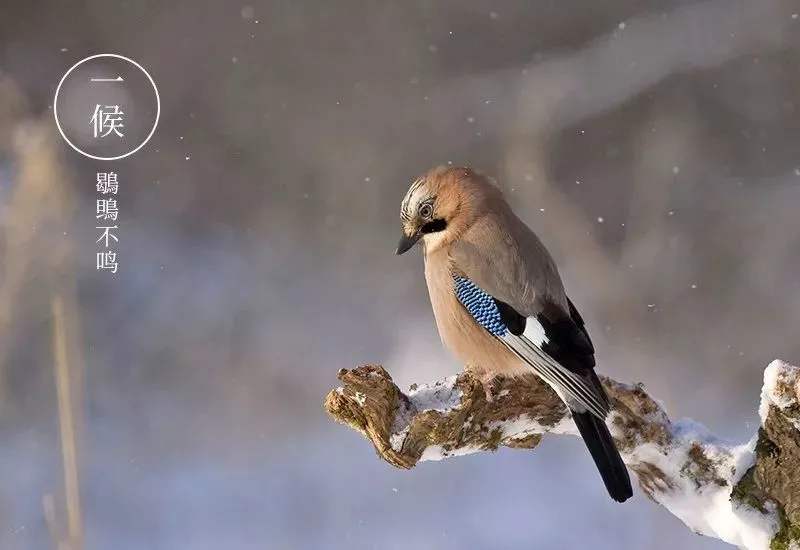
<point x="426" y="211"/>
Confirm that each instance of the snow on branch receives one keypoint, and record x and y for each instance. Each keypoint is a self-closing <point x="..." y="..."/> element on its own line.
<point x="746" y="494"/>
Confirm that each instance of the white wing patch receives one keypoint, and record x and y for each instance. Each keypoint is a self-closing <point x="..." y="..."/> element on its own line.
<point x="534" y="331"/>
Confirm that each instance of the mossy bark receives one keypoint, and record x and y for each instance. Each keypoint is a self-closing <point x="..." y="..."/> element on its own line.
<point x="774" y="480"/>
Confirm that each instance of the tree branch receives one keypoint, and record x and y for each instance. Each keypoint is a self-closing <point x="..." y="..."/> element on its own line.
<point x="745" y="494"/>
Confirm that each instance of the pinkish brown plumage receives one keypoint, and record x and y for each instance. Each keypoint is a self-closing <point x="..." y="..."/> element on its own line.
<point x="499" y="302"/>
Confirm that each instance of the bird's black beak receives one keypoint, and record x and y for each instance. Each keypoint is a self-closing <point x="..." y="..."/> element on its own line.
<point x="407" y="242"/>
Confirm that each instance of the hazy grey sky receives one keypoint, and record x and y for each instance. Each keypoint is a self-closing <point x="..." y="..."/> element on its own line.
<point x="653" y="145"/>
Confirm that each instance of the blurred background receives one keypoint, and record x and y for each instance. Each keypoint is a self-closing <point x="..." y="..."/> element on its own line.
<point x="653" y="146"/>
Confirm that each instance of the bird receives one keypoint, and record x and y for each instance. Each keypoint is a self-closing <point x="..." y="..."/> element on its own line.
<point x="499" y="302"/>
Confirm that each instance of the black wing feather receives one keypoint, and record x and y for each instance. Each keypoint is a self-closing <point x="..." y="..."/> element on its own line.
<point x="568" y="341"/>
<point x="513" y="320"/>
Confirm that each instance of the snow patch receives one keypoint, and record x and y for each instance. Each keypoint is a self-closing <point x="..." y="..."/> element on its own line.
<point x="442" y="396"/>
<point x="706" y="507"/>
<point x="397" y="439"/>
<point x="524" y="426"/>
<point x="777" y="377"/>
<point x="437" y="452"/>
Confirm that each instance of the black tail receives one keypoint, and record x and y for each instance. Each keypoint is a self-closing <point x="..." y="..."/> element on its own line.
<point x="598" y="439"/>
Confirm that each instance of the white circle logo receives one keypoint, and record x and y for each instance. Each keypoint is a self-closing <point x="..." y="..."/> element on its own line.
<point x="106" y="106"/>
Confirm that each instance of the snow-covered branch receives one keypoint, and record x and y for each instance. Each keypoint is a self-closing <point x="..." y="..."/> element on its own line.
<point x="746" y="494"/>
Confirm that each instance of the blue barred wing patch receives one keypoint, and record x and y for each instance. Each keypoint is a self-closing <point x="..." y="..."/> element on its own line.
<point x="480" y="305"/>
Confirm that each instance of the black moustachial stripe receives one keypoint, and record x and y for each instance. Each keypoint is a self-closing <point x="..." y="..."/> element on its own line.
<point x="433" y="226"/>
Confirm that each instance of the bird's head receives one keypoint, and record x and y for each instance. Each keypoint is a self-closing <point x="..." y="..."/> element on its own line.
<point x="439" y="205"/>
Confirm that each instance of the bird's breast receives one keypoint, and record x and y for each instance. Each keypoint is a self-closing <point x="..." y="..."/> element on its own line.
<point x="472" y="344"/>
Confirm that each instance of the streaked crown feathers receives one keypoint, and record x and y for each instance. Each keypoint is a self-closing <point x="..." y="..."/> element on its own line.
<point x="431" y="185"/>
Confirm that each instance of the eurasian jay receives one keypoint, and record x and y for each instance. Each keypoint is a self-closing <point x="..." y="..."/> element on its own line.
<point x="499" y="302"/>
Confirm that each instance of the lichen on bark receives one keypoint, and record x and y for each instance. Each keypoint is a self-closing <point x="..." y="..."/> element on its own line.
<point x="774" y="480"/>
